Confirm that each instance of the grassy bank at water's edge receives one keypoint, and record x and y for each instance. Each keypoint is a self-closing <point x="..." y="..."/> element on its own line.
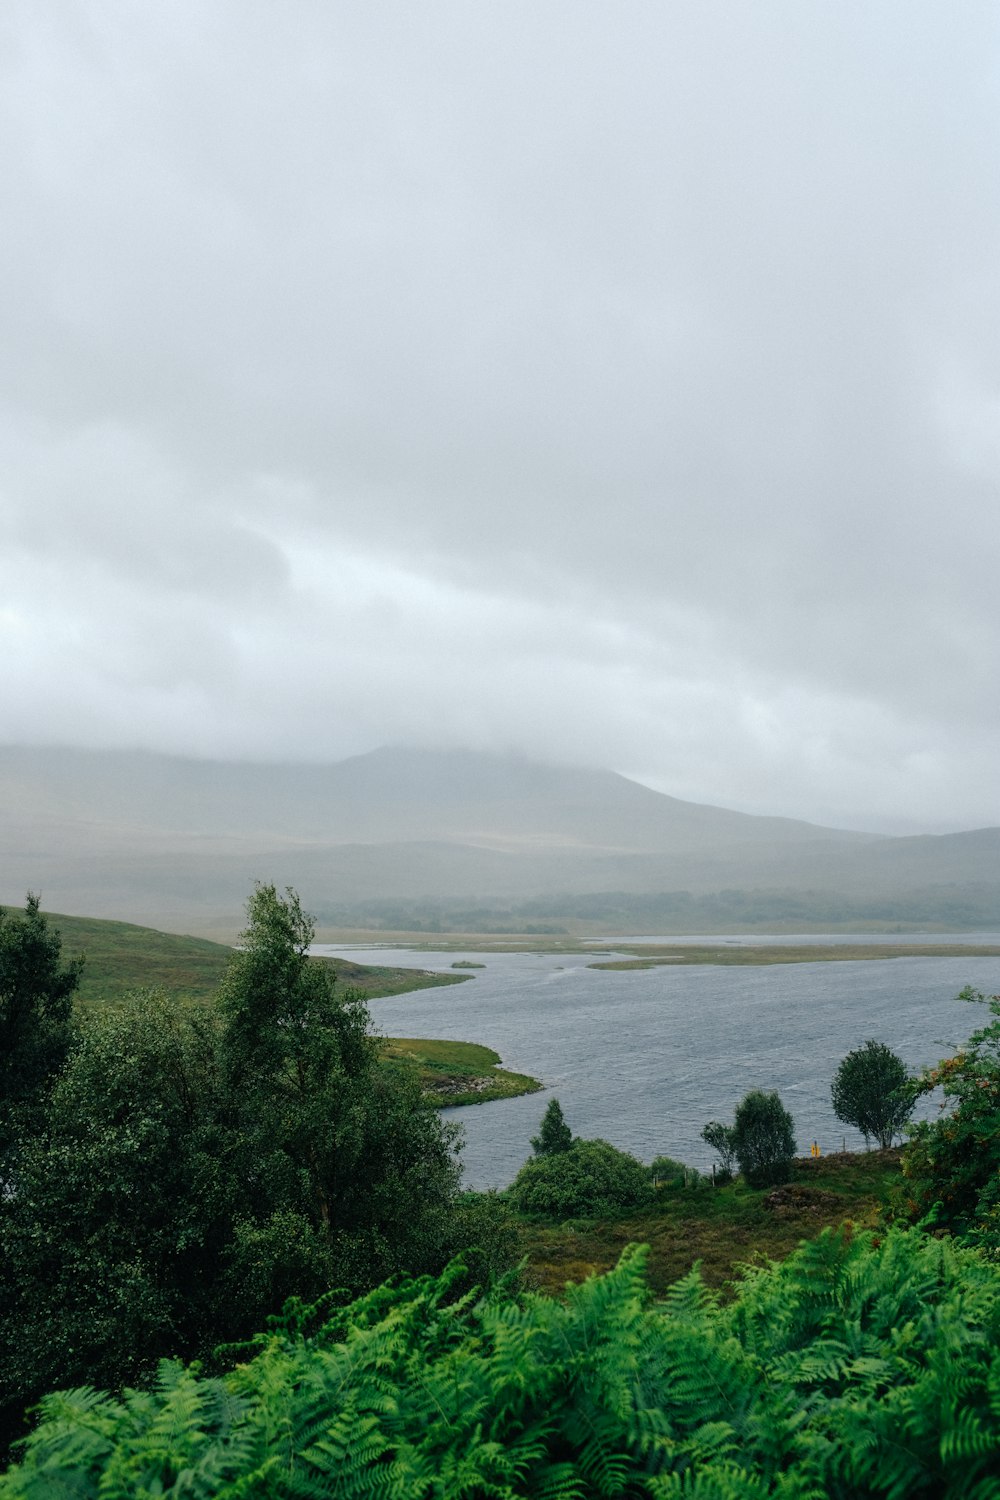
<point x="457" y="1072"/>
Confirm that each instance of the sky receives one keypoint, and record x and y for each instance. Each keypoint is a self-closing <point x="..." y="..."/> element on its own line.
<point x="618" y="385"/>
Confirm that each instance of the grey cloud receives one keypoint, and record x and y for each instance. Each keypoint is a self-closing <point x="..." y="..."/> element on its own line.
<point x="615" y="385"/>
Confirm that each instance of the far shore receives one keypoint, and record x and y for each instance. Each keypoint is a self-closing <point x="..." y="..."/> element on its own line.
<point x="737" y="948"/>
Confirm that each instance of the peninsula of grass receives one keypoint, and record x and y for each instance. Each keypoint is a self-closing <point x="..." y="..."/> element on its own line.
<point x="454" y="1073"/>
<point x="651" y="956"/>
<point x="722" y="1227"/>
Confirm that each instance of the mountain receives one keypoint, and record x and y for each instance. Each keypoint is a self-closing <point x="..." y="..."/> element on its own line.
<point x="178" y="842"/>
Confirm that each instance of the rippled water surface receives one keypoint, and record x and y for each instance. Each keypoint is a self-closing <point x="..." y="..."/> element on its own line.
<point x="645" y="1057"/>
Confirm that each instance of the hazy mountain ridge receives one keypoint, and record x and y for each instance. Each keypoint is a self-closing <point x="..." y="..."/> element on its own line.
<point x="175" y="841"/>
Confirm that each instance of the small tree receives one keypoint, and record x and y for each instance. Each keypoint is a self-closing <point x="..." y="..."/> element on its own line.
<point x="722" y="1139"/>
<point x="36" y="1009"/>
<point x="866" y="1093"/>
<point x="554" y="1134"/>
<point x="764" y="1139"/>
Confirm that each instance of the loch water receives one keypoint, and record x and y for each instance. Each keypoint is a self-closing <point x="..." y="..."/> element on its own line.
<point x="645" y="1057"/>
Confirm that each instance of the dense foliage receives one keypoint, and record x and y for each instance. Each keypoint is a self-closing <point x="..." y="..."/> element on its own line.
<point x="763" y="1139"/>
<point x="852" y="1369"/>
<point x="869" y="1092"/>
<point x="36" y="1009"/>
<point x="191" y="1169"/>
<point x="591" y="1178"/>
<point x="953" y="1163"/>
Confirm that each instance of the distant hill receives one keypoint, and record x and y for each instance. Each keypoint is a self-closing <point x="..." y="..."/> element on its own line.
<point x="178" y="842"/>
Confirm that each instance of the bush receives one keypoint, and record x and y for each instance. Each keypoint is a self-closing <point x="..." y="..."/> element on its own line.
<point x="764" y="1139"/>
<point x="953" y="1163"/>
<point x="866" y="1093"/>
<point x="666" y="1172"/>
<point x="592" y="1178"/>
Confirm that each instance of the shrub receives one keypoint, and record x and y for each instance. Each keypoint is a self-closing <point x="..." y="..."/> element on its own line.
<point x="764" y="1139"/>
<point x="592" y="1178"/>
<point x="668" y="1173"/>
<point x="953" y="1163"/>
<point x="866" y="1093"/>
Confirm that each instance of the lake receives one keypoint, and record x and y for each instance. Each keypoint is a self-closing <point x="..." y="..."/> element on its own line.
<point x="644" y="1058"/>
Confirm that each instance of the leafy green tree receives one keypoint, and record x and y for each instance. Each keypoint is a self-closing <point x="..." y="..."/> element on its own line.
<point x="869" y="1092"/>
<point x="36" y="1010"/>
<point x="722" y="1139"/>
<point x="764" y="1139"/>
<point x="952" y="1163"/>
<point x="554" y="1135"/>
<point x="114" y="1233"/>
<point x="591" y="1178"/>
<point x="359" y="1154"/>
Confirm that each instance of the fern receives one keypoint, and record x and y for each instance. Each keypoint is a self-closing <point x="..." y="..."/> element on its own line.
<point x="850" y="1370"/>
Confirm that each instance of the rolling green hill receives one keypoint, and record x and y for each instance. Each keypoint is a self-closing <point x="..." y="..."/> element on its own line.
<point x="121" y="956"/>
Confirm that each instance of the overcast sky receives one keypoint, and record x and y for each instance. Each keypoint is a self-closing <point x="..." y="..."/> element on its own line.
<point x="614" y="383"/>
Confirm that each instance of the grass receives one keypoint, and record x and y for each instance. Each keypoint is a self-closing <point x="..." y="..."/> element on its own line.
<point x="655" y="956"/>
<point x="457" y="1072"/>
<point x="722" y="1227"/>
<point x="121" y="956"/>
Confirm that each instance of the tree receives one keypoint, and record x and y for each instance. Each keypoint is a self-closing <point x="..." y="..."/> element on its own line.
<point x="36" y="1010"/>
<point x="722" y="1139"/>
<point x="554" y="1134"/>
<point x="591" y="1178"/>
<point x="866" y="1093"/>
<point x="113" y="1242"/>
<point x="764" y="1139"/>
<point x="359" y="1154"/>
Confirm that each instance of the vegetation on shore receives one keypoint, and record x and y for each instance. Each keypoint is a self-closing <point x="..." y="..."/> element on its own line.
<point x="454" y="1073"/>
<point x="719" y="1228"/>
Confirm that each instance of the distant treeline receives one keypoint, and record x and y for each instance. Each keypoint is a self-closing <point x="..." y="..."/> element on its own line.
<point x="933" y="907"/>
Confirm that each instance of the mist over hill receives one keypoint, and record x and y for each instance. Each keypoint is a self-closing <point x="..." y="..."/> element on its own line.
<point x="445" y="837"/>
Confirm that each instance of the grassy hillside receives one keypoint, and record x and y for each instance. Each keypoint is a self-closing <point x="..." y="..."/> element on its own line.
<point x="121" y="956"/>
<point x="723" y="1227"/>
